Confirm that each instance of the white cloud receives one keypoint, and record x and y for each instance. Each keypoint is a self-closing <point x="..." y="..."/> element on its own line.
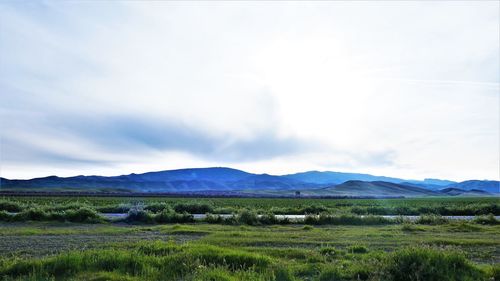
<point x="405" y="89"/>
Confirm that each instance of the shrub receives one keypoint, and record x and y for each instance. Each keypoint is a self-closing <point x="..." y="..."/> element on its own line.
<point x="84" y="214"/>
<point x="493" y="272"/>
<point x="231" y="220"/>
<point x="9" y="206"/>
<point x="268" y="218"/>
<point x="248" y="217"/>
<point x="5" y="216"/>
<point x="415" y="264"/>
<point x="157" y="207"/>
<point x="31" y="214"/>
<point x="489" y="219"/>
<point x="210" y="218"/>
<point x="431" y="220"/>
<point x="137" y="214"/>
<point x="169" y="216"/>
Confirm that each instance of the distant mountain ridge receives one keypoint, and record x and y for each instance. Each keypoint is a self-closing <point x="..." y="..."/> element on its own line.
<point x="228" y="179"/>
<point x="378" y="188"/>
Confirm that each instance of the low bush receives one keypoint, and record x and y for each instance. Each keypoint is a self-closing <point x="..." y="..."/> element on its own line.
<point x="83" y="214"/>
<point x="493" y="272"/>
<point x="488" y="219"/>
<point x="268" y="218"/>
<point x="9" y="206"/>
<point x="138" y="214"/>
<point x="31" y="214"/>
<point x="431" y="220"/>
<point x="416" y="264"/>
<point x="5" y="216"/>
<point x="247" y="217"/>
<point x="169" y="216"/>
<point x="215" y="219"/>
<point x="157" y="207"/>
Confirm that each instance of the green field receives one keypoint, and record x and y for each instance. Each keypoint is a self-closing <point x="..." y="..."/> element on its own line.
<point x="62" y="238"/>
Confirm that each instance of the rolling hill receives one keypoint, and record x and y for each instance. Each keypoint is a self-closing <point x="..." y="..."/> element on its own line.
<point x="221" y="179"/>
<point x="484" y="185"/>
<point x="377" y="188"/>
<point x="460" y="192"/>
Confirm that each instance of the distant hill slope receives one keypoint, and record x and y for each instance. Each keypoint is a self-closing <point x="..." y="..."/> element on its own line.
<point x="460" y="192"/>
<point x="200" y="179"/>
<point x="338" y="178"/>
<point x="228" y="179"/>
<point x="201" y="174"/>
<point x="377" y="188"/>
<point x="485" y="185"/>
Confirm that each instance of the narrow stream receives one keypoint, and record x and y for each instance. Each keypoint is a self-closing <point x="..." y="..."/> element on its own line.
<point x="297" y="217"/>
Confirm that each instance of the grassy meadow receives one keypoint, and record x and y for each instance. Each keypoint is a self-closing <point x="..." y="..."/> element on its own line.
<point x="63" y="238"/>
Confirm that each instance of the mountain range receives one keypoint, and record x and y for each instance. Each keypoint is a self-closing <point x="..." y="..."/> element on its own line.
<point x="221" y="179"/>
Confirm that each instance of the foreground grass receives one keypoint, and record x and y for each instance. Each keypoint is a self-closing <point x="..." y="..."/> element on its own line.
<point x="66" y="239"/>
<point x="456" y="251"/>
<point x="170" y="261"/>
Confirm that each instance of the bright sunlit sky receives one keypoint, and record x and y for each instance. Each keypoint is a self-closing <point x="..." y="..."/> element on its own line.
<point x="398" y="88"/>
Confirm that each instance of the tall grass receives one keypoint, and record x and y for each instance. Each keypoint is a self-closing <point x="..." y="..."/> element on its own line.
<point x="472" y="209"/>
<point x="150" y="261"/>
<point x="431" y="220"/>
<point x="159" y="260"/>
<point x="416" y="264"/>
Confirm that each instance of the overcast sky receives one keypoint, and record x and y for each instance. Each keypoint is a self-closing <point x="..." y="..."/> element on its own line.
<point x="398" y="88"/>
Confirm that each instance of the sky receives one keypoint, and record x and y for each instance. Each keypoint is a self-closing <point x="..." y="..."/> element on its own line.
<point x="398" y="88"/>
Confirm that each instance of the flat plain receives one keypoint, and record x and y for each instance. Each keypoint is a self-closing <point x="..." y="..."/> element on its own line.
<point x="66" y="238"/>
